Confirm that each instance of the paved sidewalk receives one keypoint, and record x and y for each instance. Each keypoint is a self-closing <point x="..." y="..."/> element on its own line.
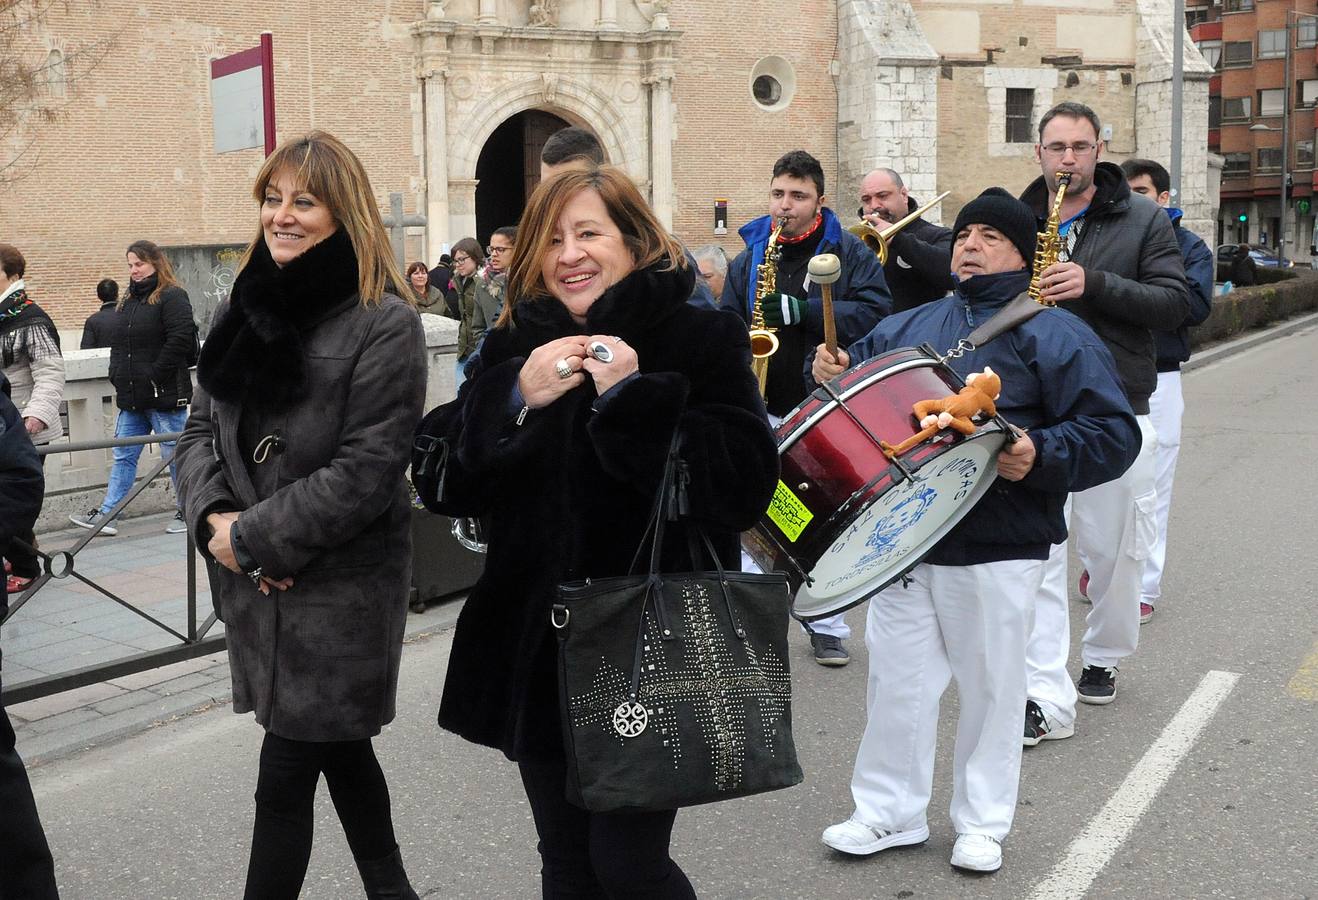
<point x="67" y="625"/>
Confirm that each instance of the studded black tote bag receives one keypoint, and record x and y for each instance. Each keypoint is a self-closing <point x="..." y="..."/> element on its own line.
<point x="674" y="688"/>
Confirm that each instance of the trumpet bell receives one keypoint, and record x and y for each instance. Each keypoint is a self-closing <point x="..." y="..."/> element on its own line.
<point x="872" y="238"/>
<point x="763" y="343"/>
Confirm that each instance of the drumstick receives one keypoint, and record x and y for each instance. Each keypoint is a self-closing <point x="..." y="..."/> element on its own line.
<point x="825" y="269"/>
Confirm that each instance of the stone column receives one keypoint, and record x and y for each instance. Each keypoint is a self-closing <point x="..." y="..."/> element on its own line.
<point x="608" y="14"/>
<point x="462" y="207"/>
<point x="661" y="146"/>
<point x="437" y="205"/>
<point x="887" y="98"/>
<point x="488" y="13"/>
<point x="1153" y="92"/>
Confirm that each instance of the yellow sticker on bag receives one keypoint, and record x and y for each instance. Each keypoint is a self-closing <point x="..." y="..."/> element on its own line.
<point x="788" y="512"/>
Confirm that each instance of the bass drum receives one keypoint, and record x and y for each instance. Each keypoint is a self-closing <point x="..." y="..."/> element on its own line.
<point x="845" y="521"/>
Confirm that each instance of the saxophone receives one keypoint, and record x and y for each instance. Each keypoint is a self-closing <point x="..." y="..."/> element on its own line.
<point x="764" y="343"/>
<point x="1049" y="247"/>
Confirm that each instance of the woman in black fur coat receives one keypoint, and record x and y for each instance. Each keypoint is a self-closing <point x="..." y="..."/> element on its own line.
<point x="291" y="470"/>
<point x="563" y="454"/>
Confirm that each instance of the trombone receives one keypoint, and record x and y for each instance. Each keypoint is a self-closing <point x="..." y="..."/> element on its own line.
<point x="878" y="240"/>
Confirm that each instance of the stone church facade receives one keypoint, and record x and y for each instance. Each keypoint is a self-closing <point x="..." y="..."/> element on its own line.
<point x="448" y="101"/>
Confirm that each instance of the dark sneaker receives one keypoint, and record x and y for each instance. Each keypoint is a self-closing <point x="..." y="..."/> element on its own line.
<point x="177" y="525"/>
<point x="829" y="650"/>
<point x="1038" y="727"/>
<point x="1084" y="587"/>
<point x="91" y="520"/>
<point x="1098" y="685"/>
<point x="1146" y="612"/>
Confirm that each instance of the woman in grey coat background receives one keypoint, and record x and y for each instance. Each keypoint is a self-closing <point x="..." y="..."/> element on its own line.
<point x="291" y="471"/>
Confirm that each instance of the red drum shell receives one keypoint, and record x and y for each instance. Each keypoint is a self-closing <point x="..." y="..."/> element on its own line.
<point x="851" y="527"/>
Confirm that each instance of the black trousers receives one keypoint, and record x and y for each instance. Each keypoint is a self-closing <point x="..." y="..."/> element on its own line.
<point x="26" y="870"/>
<point x="587" y="854"/>
<point x="285" y="799"/>
<point x="25" y="562"/>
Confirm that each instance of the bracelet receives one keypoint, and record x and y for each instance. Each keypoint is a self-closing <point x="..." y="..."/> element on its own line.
<point x="255" y="575"/>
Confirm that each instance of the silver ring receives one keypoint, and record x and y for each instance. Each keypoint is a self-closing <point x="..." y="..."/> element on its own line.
<point x="563" y="368"/>
<point x="600" y="351"/>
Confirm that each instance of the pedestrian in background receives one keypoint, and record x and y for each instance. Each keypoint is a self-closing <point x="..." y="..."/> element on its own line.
<point x="98" y="330"/>
<point x="34" y="366"/>
<point x="428" y="298"/>
<point x="149" y="360"/>
<point x="467" y="261"/>
<point x="26" y="868"/>
<point x="291" y="471"/>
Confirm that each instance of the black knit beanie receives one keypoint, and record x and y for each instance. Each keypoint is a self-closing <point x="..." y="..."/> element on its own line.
<point x="1004" y="212"/>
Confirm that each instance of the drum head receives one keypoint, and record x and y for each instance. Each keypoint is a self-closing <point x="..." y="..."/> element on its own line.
<point x="898" y="529"/>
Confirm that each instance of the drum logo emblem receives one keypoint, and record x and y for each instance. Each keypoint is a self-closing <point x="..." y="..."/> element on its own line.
<point x="885" y="538"/>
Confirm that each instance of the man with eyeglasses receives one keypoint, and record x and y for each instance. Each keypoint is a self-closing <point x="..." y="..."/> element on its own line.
<point x="1120" y="270"/>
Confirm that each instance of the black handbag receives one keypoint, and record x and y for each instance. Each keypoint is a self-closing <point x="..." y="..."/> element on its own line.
<point x="674" y="688"/>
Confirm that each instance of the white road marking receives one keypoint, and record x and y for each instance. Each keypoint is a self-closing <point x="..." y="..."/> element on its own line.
<point x="1106" y="832"/>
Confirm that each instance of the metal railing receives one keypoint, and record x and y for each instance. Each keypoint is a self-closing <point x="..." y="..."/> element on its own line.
<point x="62" y="564"/>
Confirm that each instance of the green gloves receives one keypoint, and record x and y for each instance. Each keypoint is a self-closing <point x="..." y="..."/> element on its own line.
<point x="784" y="309"/>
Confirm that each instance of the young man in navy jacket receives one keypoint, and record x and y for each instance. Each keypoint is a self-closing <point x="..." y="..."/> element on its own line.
<point x="1166" y="404"/>
<point x="795" y="308"/>
<point x="965" y="611"/>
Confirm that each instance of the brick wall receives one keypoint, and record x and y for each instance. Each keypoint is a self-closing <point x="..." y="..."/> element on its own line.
<point x="726" y="145"/>
<point x="132" y="153"/>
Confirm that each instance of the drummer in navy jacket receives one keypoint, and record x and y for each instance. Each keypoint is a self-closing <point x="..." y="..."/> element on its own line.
<point x="964" y="613"/>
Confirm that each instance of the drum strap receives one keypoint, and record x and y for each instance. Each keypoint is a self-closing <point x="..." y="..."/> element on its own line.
<point x="1019" y="310"/>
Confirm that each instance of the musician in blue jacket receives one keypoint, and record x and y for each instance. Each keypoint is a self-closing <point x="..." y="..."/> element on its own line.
<point x="795" y="308"/>
<point x="860" y="295"/>
<point x="965" y="612"/>
<point x="1166" y="404"/>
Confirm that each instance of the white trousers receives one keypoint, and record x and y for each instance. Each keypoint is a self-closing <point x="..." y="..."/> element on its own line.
<point x="964" y="622"/>
<point x="834" y="625"/>
<point x="1113" y="525"/>
<point x="1166" y="407"/>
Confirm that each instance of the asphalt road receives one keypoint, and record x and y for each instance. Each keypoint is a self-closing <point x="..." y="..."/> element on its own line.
<point x="1221" y="796"/>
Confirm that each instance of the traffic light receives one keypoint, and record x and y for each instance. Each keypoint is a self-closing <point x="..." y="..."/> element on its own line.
<point x="1242" y="218"/>
<point x="1290" y="185"/>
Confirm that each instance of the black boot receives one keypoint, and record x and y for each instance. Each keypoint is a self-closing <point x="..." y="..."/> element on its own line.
<point x="385" y="879"/>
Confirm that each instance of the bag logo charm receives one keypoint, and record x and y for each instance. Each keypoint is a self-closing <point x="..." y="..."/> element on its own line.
<point x="630" y="719"/>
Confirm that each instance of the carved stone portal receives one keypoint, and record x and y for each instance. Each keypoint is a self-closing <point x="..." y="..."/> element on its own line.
<point x="544" y="14"/>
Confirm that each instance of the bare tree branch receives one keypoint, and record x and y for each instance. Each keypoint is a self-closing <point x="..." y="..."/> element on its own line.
<point x="36" y="84"/>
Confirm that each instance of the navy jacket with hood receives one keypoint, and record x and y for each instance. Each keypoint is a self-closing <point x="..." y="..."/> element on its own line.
<point x="860" y="295"/>
<point x="1174" y="346"/>
<point x="1059" y="382"/>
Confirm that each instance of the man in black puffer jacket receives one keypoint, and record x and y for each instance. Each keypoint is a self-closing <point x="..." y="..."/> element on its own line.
<point x="26" y="869"/>
<point x="919" y="266"/>
<point x="1120" y="270"/>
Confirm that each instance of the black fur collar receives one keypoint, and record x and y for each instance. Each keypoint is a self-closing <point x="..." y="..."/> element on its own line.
<point x="255" y="353"/>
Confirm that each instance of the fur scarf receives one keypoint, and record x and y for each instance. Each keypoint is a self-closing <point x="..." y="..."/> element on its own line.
<point x="255" y="354"/>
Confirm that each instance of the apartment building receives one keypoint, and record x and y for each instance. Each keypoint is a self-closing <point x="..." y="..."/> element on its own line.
<point x="1263" y="103"/>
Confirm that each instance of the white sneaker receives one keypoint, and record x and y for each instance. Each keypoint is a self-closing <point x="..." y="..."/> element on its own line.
<point x="977" y="853"/>
<point x="860" y="839"/>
